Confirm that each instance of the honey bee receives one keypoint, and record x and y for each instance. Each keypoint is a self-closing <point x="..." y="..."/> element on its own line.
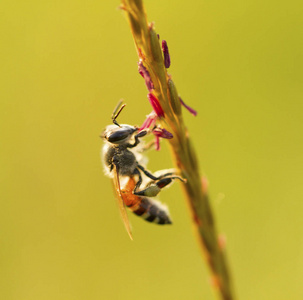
<point x="123" y="162"/>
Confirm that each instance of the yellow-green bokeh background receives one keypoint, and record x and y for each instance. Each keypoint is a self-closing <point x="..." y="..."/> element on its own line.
<point x="64" y="65"/>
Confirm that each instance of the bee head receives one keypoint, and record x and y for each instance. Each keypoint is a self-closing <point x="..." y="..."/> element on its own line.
<point x="118" y="135"/>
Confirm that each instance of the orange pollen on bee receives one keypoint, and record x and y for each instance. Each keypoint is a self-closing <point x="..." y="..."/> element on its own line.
<point x="131" y="201"/>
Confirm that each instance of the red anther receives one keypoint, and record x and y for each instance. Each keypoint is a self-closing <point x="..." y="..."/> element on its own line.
<point x="156" y="105"/>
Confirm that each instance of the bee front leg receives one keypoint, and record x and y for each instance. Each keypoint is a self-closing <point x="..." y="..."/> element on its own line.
<point x="137" y="141"/>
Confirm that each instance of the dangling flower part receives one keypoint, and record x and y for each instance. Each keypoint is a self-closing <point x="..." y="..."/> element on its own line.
<point x="163" y="133"/>
<point x="145" y="74"/>
<point x="157" y="143"/>
<point x="158" y="132"/>
<point x="191" y="110"/>
<point x="166" y="54"/>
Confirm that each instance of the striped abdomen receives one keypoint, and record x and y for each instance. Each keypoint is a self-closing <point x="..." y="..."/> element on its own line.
<point x="147" y="208"/>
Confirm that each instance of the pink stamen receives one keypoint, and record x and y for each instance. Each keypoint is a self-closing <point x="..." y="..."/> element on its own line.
<point x="150" y="121"/>
<point x="191" y="110"/>
<point x="157" y="143"/>
<point x="145" y="74"/>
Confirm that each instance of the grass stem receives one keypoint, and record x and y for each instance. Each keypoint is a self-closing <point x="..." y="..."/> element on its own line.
<point x="163" y="88"/>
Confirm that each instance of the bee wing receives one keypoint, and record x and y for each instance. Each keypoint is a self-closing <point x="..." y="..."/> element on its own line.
<point x="121" y="202"/>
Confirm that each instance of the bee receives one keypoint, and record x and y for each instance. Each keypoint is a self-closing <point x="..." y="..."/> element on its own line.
<point x="123" y="162"/>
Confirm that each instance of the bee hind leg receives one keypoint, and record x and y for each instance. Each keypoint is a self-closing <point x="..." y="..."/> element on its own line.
<point x="150" y="191"/>
<point x="158" y="183"/>
<point x="139" y="182"/>
<point x="171" y="175"/>
<point x="151" y="176"/>
<point x="155" y="187"/>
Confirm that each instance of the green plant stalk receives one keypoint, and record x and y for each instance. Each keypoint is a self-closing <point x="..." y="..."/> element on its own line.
<point x="150" y="53"/>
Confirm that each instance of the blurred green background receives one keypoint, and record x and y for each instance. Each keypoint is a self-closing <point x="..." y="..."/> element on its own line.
<point x="64" y="66"/>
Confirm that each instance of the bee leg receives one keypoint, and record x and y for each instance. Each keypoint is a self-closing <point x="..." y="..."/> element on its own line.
<point x="153" y="189"/>
<point x="151" y="176"/>
<point x="139" y="182"/>
<point x="137" y="141"/>
<point x="164" y="182"/>
<point x="158" y="182"/>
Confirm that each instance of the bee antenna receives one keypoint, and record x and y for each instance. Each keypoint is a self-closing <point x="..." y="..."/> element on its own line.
<point x="117" y="112"/>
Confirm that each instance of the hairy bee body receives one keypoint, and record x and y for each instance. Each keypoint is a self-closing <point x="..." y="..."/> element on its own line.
<point x="124" y="158"/>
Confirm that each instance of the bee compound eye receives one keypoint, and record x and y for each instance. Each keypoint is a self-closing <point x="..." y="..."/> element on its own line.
<point x="119" y="136"/>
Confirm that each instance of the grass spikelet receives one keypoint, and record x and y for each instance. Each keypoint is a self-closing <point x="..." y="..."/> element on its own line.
<point x="164" y="93"/>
